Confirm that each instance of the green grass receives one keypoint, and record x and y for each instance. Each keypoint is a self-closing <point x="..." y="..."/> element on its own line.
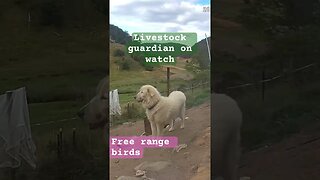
<point x="286" y="110"/>
<point x="198" y="96"/>
<point x="46" y="66"/>
<point x="194" y="98"/>
<point x="60" y="76"/>
<point x="43" y="112"/>
<point x="128" y="82"/>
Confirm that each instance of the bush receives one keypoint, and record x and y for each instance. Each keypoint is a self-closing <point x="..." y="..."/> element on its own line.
<point x="148" y="68"/>
<point x="270" y="13"/>
<point x="118" y="53"/>
<point x="125" y="65"/>
<point x="203" y="75"/>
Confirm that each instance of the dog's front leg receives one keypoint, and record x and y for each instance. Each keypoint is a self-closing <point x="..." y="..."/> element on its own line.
<point x="159" y="129"/>
<point x="183" y="116"/>
<point x="153" y="128"/>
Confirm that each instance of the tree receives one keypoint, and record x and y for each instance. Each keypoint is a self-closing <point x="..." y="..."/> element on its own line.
<point x="101" y="6"/>
<point x="300" y="12"/>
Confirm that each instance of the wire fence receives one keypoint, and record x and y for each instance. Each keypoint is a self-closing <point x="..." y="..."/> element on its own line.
<point x="273" y="78"/>
<point x="53" y="122"/>
<point x="194" y="86"/>
<point x="190" y="88"/>
<point x="202" y="84"/>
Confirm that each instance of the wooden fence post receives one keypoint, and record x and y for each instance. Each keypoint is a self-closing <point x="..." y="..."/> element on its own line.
<point x="128" y="110"/>
<point x="263" y="83"/>
<point x="147" y="126"/>
<point x="132" y="109"/>
<point x="29" y="20"/>
<point x="168" y="81"/>
<point x="74" y="138"/>
<point x="61" y="139"/>
<point x="58" y="145"/>
<point x="192" y="88"/>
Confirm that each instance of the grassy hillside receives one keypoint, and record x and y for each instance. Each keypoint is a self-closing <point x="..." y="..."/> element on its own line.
<point x="244" y="50"/>
<point x="60" y="73"/>
<point x="60" y="68"/>
<point x="128" y="81"/>
<point x="53" y="68"/>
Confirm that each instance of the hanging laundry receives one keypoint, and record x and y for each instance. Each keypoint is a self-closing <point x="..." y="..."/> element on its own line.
<point x="114" y="102"/>
<point x="15" y="133"/>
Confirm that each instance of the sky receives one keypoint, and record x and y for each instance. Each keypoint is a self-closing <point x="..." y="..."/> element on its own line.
<point x="161" y="16"/>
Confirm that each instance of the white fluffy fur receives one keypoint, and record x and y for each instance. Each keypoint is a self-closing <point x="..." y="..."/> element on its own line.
<point x="226" y="125"/>
<point x="161" y="110"/>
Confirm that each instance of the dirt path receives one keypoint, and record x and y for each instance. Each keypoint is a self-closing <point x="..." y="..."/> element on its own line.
<point x="192" y="162"/>
<point x="295" y="158"/>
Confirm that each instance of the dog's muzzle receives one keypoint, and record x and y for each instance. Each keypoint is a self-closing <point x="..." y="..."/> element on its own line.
<point x="138" y="100"/>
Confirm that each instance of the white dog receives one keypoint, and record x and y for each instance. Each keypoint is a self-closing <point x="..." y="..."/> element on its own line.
<point x="96" y="111"/>
<point x="226" y="126"/>
<point x="160" y="110"/>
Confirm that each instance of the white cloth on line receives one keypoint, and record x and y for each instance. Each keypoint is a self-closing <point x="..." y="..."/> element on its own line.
<point x="15" y="133"/>
<point x="114" y="102"/>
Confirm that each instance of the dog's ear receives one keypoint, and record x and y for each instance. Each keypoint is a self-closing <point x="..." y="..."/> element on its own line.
<point x="151" y="92"/>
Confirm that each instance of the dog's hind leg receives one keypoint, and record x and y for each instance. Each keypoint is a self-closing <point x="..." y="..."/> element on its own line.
<point x="183" y="115"/>
<point x="171" y="125"/>
<point x="232" y="156"/>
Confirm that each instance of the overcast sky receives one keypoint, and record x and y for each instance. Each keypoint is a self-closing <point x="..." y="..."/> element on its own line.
<point x="161" y="16"/>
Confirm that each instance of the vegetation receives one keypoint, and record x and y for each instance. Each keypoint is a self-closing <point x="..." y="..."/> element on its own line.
<point x="118" y="53"/>
<point x="289" y="105"/>
<point x="118" y="35"/>
<point x="270" y="13"/>
<point x="201" y="56"/>
<point x="129" y="80"/>
<point x="60" y="58"/>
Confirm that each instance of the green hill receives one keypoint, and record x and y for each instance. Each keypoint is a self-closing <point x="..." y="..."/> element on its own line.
<point x="118" y="35"/>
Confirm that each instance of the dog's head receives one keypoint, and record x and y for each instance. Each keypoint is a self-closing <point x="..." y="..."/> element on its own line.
<point x="95" y="113"/>
<point x="148" y="96"/>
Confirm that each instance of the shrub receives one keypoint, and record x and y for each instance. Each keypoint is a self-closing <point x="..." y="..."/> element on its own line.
<point x="148" y="68"/>
<point x="125" y="65"/>
<point x="118" y="53"/>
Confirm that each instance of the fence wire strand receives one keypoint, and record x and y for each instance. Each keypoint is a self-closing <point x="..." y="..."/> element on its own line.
<point x="273" y="78"/>
<point x="196" y="86"/>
